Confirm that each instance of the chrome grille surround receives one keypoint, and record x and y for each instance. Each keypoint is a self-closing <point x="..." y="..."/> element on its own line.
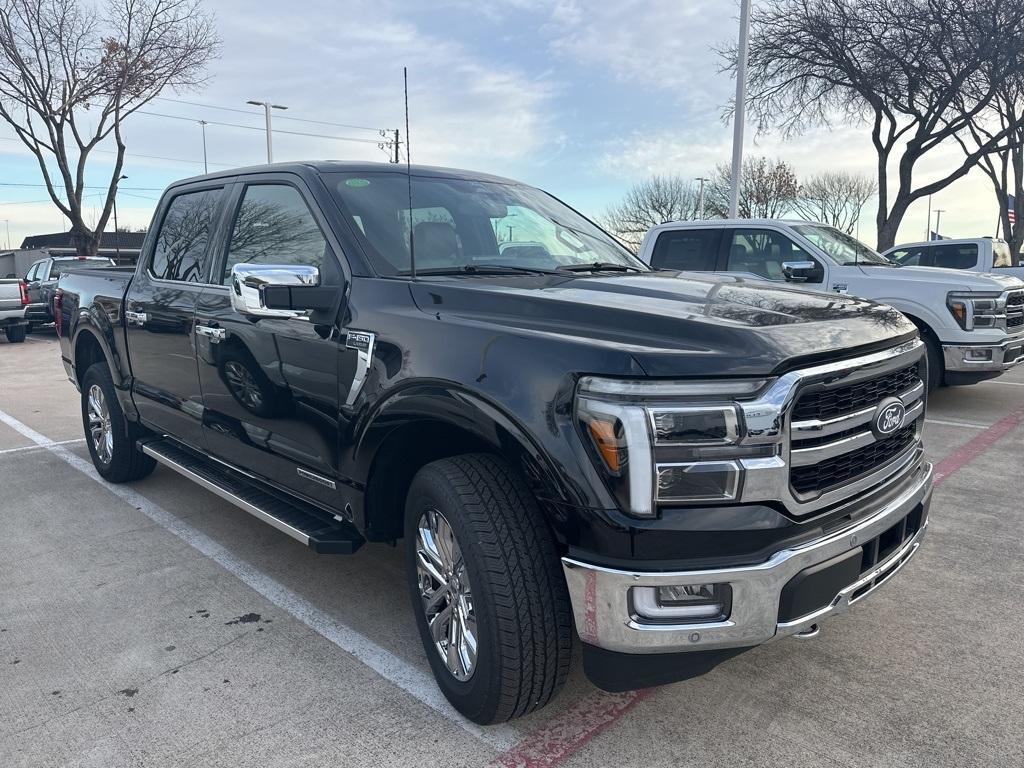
<point x="768" y="422"/>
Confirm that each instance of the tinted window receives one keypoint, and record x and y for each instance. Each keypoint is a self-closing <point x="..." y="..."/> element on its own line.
<point x="962" y="256"/>
<point x="762" y="252"/>
<point x="694" y="250"/>
<point x="182" y="243"/>
<point x="914" y="256"/>
<point x="274" y="226"/>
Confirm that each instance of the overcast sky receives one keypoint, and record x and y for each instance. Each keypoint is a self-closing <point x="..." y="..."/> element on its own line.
<point x="580" y="98"/>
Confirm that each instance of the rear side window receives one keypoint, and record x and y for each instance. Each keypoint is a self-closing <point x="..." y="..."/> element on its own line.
<point x="694" y="250"/>
<point x="1002" y="256"/>
<point x="964" y="256"/>
<point x="182" y="245"/>
<point x="275" y="226"/>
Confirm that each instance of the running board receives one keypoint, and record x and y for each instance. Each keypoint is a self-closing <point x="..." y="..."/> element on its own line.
<point x="317" y="528"/>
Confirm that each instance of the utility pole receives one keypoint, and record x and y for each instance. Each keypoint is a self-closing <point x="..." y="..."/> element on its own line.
<point x="8" y="223"/>
<point x="117" y="235"/>
<point x="938" y="220"/>
<point x="202" y="123"/>
<point x="928" y="223"/>
<point x="740" y="111"/>
<point x="396" y="146"/>
<point x="700" y="197"/>
<point x="267" y="106"/>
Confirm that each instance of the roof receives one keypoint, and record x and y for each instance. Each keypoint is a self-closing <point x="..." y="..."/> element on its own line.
<point x="956" y="241"/>
<point x="126" y="240"/>
<point x="344" y="166"/>
<point x="738" y="223"/>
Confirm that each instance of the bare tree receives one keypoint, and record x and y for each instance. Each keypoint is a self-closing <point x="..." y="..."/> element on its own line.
<point x="648" y="203"/>
<point x="917" y="71"/>
<point x="836" y="198"/>
<point x="70" y="74"/>
<point x="768" y="189"/>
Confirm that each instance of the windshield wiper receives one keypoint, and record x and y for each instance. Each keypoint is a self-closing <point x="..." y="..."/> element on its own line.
<point x="599" y="266"/>
<point x="482" y="269"/>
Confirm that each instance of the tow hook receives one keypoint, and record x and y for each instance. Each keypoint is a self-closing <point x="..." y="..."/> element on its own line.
<point x="809" y="633"/>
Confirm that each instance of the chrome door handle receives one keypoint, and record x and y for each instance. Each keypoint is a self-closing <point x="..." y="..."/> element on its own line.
<point x="135" y="318"/>
<point x="213" y="334"/>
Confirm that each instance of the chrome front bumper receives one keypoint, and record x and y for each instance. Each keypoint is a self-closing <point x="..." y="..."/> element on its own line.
<point x="604" y="615"/>
<point x="1001" y="357"/>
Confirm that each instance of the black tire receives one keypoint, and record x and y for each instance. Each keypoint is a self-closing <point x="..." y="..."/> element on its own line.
<point x="125" y="462"/>
<point x="15" y="333"/>
<point x="519" y="596"/>
<point x="936" y="369"/>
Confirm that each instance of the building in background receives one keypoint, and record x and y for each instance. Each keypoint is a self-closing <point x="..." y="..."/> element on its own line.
<point x="122" y="247"/>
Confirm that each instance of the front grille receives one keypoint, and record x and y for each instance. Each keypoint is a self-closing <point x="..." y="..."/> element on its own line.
<point x="830" y="403"/>
<point x="1015" y="321"/>
<point x="1015" y="299"/>
<point x="834" y="472"/>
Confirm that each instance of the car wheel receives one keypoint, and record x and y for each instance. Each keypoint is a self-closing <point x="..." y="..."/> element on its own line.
<point x="487" y="588"/>
<point x="936" y="369"/>
<point x="15" y="333"/>
<point x="109" y="435"/>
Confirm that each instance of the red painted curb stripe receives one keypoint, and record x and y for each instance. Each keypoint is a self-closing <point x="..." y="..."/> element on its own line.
<point x="978" y="445"/>
<point x="566" y="734"/>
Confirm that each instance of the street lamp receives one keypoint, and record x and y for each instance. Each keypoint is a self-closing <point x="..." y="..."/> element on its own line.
<point x="117" y="235"/>
<point x="267" y="106"/>
<point x="740" y="111"/>
<point x="202" y="124"/>
<point x="938" y="221"/>
<point x="700" y="197"/>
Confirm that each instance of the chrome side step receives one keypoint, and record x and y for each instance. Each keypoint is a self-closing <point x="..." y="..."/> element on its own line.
<point x="315" y="527"/>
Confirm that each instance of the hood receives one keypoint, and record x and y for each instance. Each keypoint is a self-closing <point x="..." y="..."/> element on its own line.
<point x="951" y="279"/>
<point x="672" y="324"/>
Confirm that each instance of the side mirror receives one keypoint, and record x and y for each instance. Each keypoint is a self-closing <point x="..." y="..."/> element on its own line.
<point x="799" y="271"/>
<point x="279" y="290"/>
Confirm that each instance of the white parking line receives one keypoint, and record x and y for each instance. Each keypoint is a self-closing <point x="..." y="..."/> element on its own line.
<point x="957" y="424"/>
<point x="1008" y="383"/>
<point x="409" y="677"/>
<point x="40" y="447"/>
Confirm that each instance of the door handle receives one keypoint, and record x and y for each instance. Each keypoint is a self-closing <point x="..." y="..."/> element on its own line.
<point x="213" y="334"/>
<point x="135" y="318"/>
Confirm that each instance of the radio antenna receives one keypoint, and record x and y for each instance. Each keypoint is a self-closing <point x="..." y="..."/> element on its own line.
<point x="408" y="175"/>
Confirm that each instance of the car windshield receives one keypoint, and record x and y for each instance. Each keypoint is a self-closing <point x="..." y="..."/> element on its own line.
<point x="843" y="248"/>
<point x="471" y="226"/>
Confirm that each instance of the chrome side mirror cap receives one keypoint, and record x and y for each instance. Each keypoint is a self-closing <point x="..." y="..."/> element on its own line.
<point x="250" y="281"/>
<point x="798" y="271"/>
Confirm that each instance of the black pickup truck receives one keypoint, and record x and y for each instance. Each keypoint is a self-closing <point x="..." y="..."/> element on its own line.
<point x="681" y="467"/>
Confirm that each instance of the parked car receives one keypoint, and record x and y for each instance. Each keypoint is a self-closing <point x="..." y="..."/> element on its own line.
<point x="42" y="281"/>
<point x="685" y="466"/>
<point x="981" y="254"/>
<point x="972" y="324"/>
<point x="13" y="300"/>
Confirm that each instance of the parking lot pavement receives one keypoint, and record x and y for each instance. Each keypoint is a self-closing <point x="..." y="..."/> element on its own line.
<point x="155" y="625"/>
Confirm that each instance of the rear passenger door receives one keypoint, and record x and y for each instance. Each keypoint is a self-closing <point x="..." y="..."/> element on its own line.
<point x="160" y="312"/>
<point x="271" y="384"/>
<point x="955" y="256"/>
<point x="687" y="250"/>
<point x="761" y="253"/>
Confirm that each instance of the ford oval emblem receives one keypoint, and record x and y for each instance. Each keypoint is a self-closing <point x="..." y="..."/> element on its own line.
<point x="889" y="417"/>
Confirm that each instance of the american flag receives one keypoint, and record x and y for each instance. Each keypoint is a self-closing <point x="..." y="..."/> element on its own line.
<point x="1011" y="205"/>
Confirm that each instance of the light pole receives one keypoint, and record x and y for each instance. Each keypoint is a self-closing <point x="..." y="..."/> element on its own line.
<point x="8" y="223"/>
<point x="928" y="224"/>
<point x="740" y="111"/>
<point x="117" y="236"/>
<point x="700" y="197"/>
<point x="202" y="124"/>
<point x="267" y="106"/>
<point x="938" y="220"/>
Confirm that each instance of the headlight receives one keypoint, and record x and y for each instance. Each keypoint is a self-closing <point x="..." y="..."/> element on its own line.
<point x="978" y="310"/>
<point x="670" y="442"/>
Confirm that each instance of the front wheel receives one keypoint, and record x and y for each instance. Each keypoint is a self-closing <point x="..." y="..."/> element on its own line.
<point x="487" y="588"/>
<point x="109" y="435"/>
<point x="936" y="368"/>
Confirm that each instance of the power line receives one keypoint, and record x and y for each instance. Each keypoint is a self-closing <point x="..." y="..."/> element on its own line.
<point x="280" y="117"/>
<point x="260" y="129"/>
<point x="87" y="186"/>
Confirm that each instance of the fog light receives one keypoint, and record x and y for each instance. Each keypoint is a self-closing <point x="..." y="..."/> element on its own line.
<point x="978" y="355"/>
<point x="698" y="481"/>
<point x="684" y="602"/>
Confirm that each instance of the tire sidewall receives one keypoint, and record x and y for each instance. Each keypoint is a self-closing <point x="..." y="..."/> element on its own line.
<point x="99" y="376"/>
<point x="470" y="697"/>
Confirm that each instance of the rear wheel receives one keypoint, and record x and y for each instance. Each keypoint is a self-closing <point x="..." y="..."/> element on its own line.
<point x="15" y="333"/>
<point x="487" y="588"/>
<point x="109" y="435"/>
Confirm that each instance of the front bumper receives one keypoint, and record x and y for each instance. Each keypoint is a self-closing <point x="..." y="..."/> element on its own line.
<point x="605" y="616"/>
<point x="981" y="358"/>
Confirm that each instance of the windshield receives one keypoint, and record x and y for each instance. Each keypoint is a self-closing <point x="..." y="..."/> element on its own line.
<point x="843" y="248"/>
<point x="460" y="224"/>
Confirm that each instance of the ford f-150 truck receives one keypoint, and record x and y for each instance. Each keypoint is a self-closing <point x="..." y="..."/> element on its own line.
<point x="41" y="280"/>
<point x="13" y="300"/>
<point x="682" y="467"/>
<point x="972" y="325"/>
<point x="980" y="254"/>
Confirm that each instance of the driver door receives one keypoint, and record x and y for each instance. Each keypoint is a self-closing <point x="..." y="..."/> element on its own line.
<point x="759" y="254"/>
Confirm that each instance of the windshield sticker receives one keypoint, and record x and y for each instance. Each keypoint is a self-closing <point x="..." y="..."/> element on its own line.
<point x="357" y="182"/>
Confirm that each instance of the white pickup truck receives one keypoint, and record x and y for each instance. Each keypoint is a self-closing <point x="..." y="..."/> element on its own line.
<point x="13" y="301"/>
<point x="980" y="254"/>
<point x="972" y="324"/>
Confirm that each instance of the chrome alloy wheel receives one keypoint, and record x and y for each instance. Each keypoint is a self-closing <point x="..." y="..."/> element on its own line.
<point x="100" y="433"/>
<point x="243" y="385"/>
<point x="445" y="594"/>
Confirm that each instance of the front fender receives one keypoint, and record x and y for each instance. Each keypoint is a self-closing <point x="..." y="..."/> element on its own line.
<point x="920" y="312"/>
